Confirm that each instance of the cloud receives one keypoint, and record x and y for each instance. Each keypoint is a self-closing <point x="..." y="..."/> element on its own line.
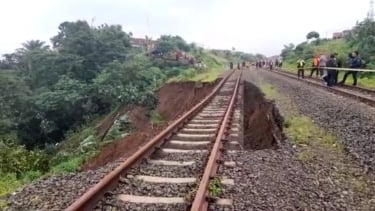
<point x="256" y="26"/>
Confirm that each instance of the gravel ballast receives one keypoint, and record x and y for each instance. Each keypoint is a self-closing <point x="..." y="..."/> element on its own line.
<point x="351" y="121"/>
<point x="276" y="179"/>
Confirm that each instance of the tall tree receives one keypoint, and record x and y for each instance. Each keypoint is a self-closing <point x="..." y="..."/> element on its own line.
<point x="34" y="45"/>
<point x="312" y="34"/>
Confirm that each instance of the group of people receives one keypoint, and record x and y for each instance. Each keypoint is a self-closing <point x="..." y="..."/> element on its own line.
<point x="240" y="66"/>
<point x="269" y="63"/>
<point x="325" y="66"/>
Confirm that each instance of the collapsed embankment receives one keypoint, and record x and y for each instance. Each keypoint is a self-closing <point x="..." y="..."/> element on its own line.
<point x="174" y="99"/>
<point x="262" y="121"/>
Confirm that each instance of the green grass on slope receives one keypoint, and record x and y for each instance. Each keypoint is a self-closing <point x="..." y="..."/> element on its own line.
<point x="214" y="67"/>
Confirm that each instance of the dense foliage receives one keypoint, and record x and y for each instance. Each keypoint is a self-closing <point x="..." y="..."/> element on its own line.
<point x="88" y="71"/>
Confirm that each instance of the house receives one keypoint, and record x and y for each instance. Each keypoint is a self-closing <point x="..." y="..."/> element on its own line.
<point x="145" y="44"/>
<point x="338" y="35"/>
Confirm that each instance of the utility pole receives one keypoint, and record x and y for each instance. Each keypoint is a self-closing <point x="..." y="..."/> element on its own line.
<point x="370" y="13"/>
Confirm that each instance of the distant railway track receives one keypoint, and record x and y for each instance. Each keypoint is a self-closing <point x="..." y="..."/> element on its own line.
<point x="358" y="93"/>
<point x="174" y="170"/>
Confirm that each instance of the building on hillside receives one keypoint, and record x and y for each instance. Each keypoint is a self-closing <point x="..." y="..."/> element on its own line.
<point x="145" y="44"/>
<point x="339" y="35"/>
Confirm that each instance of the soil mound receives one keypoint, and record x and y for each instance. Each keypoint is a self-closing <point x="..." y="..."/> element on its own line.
<point x="174" y="99"/>
<point x="262" y="120"/>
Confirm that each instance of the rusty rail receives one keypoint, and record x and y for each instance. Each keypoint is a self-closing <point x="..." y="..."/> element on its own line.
<point x="89" y="199"/>
<point x="200" y="201"/>
<point x="354" y="88"/>
<point x="364" y="99"/>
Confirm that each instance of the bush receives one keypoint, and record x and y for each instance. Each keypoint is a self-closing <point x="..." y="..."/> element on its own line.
<point x="8" y="182"/>
<point x="16" y="159"/>
<point x="71" y="165"/>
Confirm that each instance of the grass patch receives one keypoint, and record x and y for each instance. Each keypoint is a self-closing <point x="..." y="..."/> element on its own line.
<point x="71" y="165"/>
<point x="215" y="187"/>
<point x="10" y="181"/>
<point x="303" y="131"/>
<point x="3" y="204"/>
<point x="214" y="66"/>
<point x="269" y="90"/>
<point x="156" y="118"/>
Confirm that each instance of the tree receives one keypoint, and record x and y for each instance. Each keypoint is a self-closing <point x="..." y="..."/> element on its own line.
<point x="363" y="38"/>
<point x="168" y="43"/>
<point x="312" y="34"/>
<point x="287" y="50"/>
<point x="34" y="45"/>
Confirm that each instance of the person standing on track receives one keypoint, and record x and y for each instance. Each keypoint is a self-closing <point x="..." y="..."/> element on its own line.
<point x="322" y="64"/>
<point x="280" y="64"/>
<point x="315" y="66"/>
<point x="355" y="63"/>
<point x="276" y="64"/>
<point x="300" y="67"/>
<point x="332" y="63"/>
<point x="339" y="65"/>
<point x="231" y="65"/>
<point x="271" y="64"/>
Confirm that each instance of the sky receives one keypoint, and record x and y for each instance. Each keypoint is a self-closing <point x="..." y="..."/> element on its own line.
<point x="260" y="26"/>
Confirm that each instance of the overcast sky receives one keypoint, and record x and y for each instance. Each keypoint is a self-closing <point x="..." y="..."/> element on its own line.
<point x="252" y="26"/>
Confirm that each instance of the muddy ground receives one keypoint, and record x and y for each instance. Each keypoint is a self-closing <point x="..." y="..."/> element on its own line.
<point x="174" y="99"/>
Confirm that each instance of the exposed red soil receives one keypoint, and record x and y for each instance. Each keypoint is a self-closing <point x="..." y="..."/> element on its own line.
<point x="262" y="121"/>
<point x="174" y="99"/>
<point x="178" y="97"/>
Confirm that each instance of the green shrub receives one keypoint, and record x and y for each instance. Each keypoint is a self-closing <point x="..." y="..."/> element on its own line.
<point x="17" y="159"/>
<point x="31" y="176"/>
<point x="8" y="182"/>
<point x="71" y="165"/>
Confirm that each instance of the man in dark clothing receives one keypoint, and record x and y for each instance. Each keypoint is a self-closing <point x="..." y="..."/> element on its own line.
<point x="276" y="64"/>
<point x="300" y="67"/>
<point x="238" y="66"/>
<point x="280" y="64"/>
<point x="231" y="65"/>
<point x="339" y="65"/>
<point x="355" y="63"/>
<point x="331" y="63"/>
<point x="270" y="64"/>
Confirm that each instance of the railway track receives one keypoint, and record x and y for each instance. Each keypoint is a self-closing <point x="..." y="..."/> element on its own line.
<point x="358" y="93"/>
<point x="177" y="169"/>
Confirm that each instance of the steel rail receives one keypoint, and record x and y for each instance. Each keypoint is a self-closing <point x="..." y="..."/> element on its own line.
<point x="89" y="199"/>
<point x="200" y="202"/>
<point x="364" y="99"/>
<point x="342" y="69"/>
<point x="354" y="88"/>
